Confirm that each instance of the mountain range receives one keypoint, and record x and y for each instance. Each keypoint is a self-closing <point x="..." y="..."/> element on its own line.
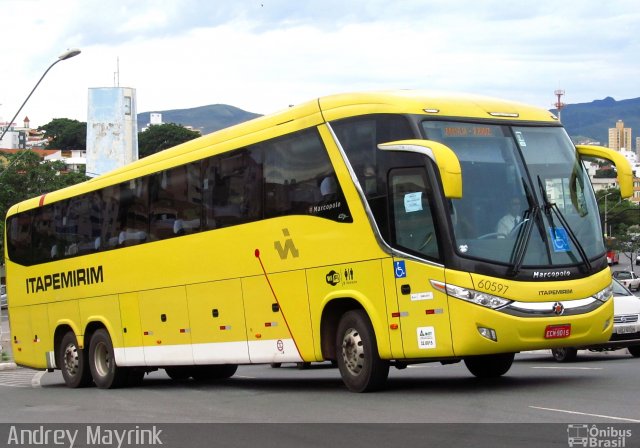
<point x="593" y="120"/>
<point x="583" y="121"/>
<point x="206" y="119"/>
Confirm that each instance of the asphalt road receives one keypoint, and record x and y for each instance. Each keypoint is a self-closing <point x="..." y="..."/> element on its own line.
<point x="599" y="387"/>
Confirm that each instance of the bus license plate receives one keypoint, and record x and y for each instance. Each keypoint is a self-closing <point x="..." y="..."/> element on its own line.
<point x="557" y="331"/>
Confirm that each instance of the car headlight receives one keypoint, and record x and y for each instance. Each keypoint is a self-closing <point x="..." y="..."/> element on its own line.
<point x="605" y="294"/>
<point x="471" y="295"/>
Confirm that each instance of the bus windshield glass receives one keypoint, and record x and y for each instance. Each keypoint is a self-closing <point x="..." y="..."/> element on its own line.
<point x="526" y="196"/>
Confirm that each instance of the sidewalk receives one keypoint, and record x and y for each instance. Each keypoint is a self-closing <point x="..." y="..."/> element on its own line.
<point x="5" y="343"/>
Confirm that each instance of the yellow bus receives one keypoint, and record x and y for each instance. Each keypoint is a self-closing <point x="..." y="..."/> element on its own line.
<point x="368" y="229"/>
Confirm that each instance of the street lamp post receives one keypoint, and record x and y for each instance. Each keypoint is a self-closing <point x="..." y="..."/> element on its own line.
<point x="66" y="55"/>
<point x="606" y="234"/>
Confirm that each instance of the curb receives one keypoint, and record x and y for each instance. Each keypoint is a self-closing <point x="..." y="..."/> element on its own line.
<point x="8" y="366"/>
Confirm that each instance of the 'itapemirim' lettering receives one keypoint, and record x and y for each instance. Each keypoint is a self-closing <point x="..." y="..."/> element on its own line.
<point x="62" y="280"/>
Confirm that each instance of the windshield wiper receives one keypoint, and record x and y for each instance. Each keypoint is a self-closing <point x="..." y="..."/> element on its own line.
<point x="553" y="207"/>
<point x="524" y="234"/>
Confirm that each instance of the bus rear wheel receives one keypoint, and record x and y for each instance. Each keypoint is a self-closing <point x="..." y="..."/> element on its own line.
<point x="360" y="365"/>
<point x="564" y="354"/>
<point x="106" y="374"/>
<point x="73" y="362"/>
<point x="489" y="366"/>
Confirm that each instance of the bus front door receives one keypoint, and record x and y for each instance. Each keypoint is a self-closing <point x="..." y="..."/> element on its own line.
<point x="423" y="311"/>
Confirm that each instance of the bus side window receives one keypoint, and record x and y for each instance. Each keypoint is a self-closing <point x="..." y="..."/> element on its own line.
<point x="133" y="212"/>
<point x="413" y="224"/>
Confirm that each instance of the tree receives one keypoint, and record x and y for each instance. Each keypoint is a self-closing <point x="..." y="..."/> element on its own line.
<point x="162" y="136"/>
<point x="66" y="134"/>
<point x="25" y="176"/>
<point x="621" y="213"/>
<point x="628" y="243"/>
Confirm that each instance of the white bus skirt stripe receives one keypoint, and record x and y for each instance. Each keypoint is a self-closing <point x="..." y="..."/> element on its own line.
<point x="258" y="352"/>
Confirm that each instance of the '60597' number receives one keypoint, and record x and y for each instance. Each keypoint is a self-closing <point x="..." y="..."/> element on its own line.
<point x="492" y="286"/>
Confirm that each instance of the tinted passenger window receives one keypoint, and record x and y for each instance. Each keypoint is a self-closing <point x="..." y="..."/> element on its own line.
<point x="359" y="137"/>
<point x="175" y="198"/>
<point x="299" y="179"/>
<point x="233" y="188"/>
<point x="133" y="212"/>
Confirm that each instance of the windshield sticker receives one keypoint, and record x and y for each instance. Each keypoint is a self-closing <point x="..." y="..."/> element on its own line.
<point x="413" y="202"/>
<point x="520" y="138"/>
<point x="560" y="239"/>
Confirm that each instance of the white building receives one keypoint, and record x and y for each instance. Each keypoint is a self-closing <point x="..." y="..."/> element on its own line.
<point x="112" y="129"/>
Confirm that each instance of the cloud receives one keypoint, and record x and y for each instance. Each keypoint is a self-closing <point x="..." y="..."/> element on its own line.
<point x="263" y="55"/>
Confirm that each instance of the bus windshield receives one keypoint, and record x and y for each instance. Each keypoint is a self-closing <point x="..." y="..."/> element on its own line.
<point x="526" y="196"/>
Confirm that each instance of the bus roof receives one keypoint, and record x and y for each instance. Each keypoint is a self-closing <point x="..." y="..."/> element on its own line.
<point x="301" y="116"/>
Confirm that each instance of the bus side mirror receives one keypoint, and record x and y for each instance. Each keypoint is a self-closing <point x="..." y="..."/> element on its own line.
<point x="444" y="158"/>
<point x="625" y="174"/>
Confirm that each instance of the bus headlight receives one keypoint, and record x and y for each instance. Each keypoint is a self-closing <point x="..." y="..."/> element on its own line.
<point x="605" y="294"/>
<point x="471" y="295"/>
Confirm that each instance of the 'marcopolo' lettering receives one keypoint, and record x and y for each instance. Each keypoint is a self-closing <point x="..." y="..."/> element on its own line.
<point x="551" y="274"/>
<point x="62" y="280"/>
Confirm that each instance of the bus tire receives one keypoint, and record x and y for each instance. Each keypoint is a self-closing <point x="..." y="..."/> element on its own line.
<point x="179" y="373"/>
<point x="106" y="374"/>
<point x="214" y="372"/>
<point x="564" y="354"/>
<point x="73" y="362"/>
<point x="489" y="366"/>
<point x="360" y="365"/>
<point x="634" y="351"/>
<point x="135" y="377"/>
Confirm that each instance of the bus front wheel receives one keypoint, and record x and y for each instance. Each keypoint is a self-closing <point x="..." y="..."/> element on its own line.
<point x="214" y="372"/>
<point x="106" y="374"/>
<point x="634" y="351"/>
<point x="73" y="362"/>
<point x="489" y="366"/>
<point x="360" y="365"/>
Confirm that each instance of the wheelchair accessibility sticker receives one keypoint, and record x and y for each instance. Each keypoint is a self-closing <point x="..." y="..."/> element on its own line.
<point x="399" y="269"/>
<point x="560" y="239"/>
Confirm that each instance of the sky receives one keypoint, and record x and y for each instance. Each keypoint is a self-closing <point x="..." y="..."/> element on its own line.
<point x="264" y="55"/>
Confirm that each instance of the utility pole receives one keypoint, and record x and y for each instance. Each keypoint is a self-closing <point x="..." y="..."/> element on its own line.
<point x="559" y="104"/>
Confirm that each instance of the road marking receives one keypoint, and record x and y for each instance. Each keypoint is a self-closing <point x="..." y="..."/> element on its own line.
<point x="569" y="368"/>
<point x="588" y="415"/>
<point x="35" y="381"/>
<point x="20" y="378"/>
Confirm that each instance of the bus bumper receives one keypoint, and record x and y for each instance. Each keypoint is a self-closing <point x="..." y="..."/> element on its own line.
<point x="474" y="329"/>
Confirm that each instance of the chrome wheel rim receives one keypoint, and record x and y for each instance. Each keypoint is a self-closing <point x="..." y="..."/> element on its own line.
<point x="353" y="351"/>
<point x="102" y="359"/>
<point x="71" y="359"/>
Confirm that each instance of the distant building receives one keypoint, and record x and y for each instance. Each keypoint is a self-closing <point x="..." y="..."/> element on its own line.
<point x="21" y="138"/>
<point x="620" y="137"/>
<point x="112" y="129"/>
<point x="16" y="137"/>
<point x="155" y="118"/>
<point x="74" y="159"/>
